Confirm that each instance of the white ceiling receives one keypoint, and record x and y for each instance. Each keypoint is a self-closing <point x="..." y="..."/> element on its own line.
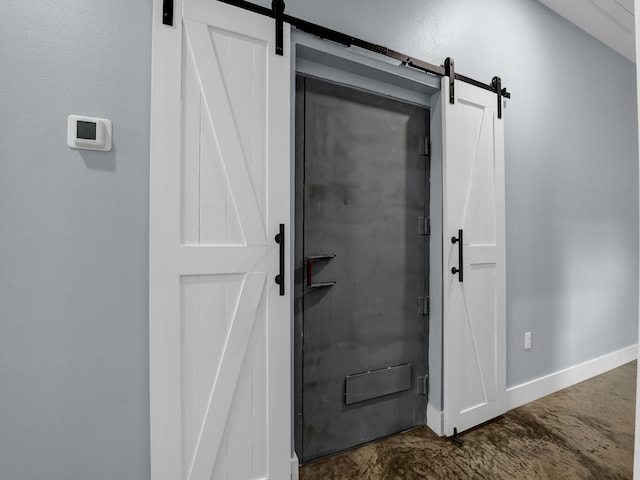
<point x="610" y="21"/>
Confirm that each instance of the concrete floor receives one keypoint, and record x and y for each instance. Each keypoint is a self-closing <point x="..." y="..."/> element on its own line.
<point x="583" y="432"/>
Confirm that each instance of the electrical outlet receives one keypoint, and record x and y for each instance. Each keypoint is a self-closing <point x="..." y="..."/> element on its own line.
<point x="527" y="340"/>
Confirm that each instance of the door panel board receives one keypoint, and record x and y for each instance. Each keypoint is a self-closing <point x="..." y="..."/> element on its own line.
<point x="474" y="355"/>
<point x="220" y="175"/>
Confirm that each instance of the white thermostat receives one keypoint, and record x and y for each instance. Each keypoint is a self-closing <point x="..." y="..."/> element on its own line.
<point x="89" y="133"/>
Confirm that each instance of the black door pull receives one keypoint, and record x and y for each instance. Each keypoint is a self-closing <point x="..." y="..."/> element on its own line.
<point x="455" y="270"/>
<point x="280" y="277"/>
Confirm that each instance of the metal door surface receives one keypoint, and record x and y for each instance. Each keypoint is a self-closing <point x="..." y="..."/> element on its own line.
<point x="363" y="166"/>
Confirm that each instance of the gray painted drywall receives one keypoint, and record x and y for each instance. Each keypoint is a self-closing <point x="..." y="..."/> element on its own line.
<point x="571" y="163"/>
<point x="74" y="401"/>
<point x="73" y="226"/>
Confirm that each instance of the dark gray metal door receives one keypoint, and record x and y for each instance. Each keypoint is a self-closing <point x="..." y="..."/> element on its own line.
<point x="362" y="189"/>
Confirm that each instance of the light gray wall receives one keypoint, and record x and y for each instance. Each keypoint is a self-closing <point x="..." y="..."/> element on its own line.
<point x="74" y="402"/>
<point x="571" y="162"/>
<point x="73" y="226"/>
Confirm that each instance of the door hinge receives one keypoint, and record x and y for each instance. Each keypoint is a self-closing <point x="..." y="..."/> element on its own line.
<point x="424" y="226"/>
<point x="425" y="147"/>
<point x="422" y="385"/>
<point x="423" y="306"/>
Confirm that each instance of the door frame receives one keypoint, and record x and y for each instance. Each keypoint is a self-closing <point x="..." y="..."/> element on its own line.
<point x="325" y="60"/>
<point x="312" y="71"/>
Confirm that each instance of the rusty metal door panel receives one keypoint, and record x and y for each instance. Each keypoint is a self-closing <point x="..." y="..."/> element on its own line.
<point x="361" y="266"/>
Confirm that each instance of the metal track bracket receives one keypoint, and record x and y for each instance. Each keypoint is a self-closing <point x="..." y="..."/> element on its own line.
<point x="278" y="13"/>
<point x="167" y="12"/>
<point x="497" y="84"/>
<point x="449" y="69"/>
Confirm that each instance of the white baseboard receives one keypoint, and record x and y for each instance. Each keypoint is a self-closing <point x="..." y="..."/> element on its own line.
<point x="435" y="420"/>
<point x="543" y="386"/>
<point x="294" y="466"/>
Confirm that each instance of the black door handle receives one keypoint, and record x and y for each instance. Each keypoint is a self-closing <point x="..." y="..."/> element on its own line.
<point x="455" y="270"/>
<point x="280" y="277"/>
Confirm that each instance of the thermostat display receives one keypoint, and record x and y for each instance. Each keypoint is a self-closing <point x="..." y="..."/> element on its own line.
<point x="89" y="133"/>
<point x="86" y="130"/>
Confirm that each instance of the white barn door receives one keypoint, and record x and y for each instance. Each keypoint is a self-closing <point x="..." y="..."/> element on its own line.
<point x="474" y="363"/>
<point x="220" y="164"/>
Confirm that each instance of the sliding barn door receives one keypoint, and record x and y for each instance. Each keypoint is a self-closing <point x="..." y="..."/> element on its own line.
<point x="219" y="325"/>
<point x="474" y="259"/>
